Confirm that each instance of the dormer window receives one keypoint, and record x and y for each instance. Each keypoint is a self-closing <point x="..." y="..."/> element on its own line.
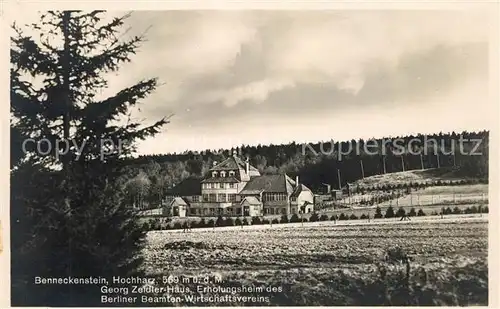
<point x="214" y="174"/>
<point x="223" y="174"/>
<point x="231" y="173"/>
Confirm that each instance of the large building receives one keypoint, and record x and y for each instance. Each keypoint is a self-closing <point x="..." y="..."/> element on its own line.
<point x="235" y="188"/>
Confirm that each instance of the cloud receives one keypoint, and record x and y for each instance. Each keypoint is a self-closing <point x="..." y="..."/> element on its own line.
<point x="269" y="73"/>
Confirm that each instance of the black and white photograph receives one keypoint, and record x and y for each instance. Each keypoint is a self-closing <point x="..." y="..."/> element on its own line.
<point x="251" y="157"/>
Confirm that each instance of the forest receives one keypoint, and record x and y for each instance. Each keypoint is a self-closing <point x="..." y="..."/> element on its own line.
<point x="318" y="163"/>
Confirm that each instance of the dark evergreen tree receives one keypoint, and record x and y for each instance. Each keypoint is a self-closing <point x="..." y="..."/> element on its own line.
<point x="378" y="213"/>
<point x="68" y="215"/>
<point x="389" y="213"/>
<point x="401" y="212"/>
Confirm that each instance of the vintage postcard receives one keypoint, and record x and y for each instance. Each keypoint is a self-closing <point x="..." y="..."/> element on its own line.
<point x="251" y="156"/>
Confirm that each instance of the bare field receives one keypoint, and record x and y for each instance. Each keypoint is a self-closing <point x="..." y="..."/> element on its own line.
<point x="325" y="264"/>
<point x="427" y="175"/>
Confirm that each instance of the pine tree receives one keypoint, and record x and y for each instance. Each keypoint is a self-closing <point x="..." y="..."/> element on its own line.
<point x="68" y="215"/>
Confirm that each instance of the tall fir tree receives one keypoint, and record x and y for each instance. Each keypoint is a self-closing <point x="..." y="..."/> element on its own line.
<point x="69" y="216"/>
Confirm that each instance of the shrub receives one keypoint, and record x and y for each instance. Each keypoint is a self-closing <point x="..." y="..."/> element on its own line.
<point x="378" y="213"/>
<point x="275" y="221"/>
<point x="265" y="221"/>
<point x="401" y="212"/>
<point x="485" y="209"/>
<point x="474" y="210"/>
<point x="343" y="217"/>
<point x="229" y="222"/>
<point x="363" y="216"/>
<point x="389" y="213"/>
<point x="294" y="218"/>
<point x="457" y="211"/>
<point x="237" y="222"/>
<point x="146" y="226"/>
<point x="314" y="217"/>
<point x="211" y="223"/>
<point x="448" y="211"/>
<point x="256" y="220"/>
<point x="244" y="221"/>
<point x="412" y="212"/>
<point x="220" y="221"/>
<point x="284" y="219"/>
<point x="420" y="213"/>
<point x="334" y="218"/>
<point x="201" y="223"/>
<point x="353" y="217"/>
<point x="323" y="218"/>
<point x="177" y="226"/>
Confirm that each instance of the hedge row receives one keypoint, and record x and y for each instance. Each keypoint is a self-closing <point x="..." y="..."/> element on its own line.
<point x="156" y="224"/>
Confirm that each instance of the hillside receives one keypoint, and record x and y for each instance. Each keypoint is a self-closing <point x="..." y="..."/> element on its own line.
<point x="415" y="176"/>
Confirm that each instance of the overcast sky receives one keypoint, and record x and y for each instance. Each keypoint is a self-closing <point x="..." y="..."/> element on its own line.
<point x="233" y="77"/>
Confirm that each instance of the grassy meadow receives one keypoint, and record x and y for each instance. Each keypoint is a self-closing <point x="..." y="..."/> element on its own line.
<point x="438" y="262"/>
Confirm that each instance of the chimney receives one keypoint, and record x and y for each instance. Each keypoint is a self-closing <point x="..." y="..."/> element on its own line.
<point x="247" y="166"/>
<point x="328" y="189"/>
<point x="214" y="163"/>
<point x="235" y="153"/>
<point x="297" y="181"/>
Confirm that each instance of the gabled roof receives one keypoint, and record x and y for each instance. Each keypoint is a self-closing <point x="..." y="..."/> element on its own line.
<point x="299" y="189"/>
<point x="235" y="163"/>
<point x="179" y="201"/>
<point x="269" y="183"/>
<point x="187" y="187"/>
<point x="252" y="200"/>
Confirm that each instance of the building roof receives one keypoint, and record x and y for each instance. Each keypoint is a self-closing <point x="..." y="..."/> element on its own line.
<point x="179" y="201"/>
<point x="187" y="187"/>
<point x="252" y="200"/>
<point x="236" y="164"/>
<point x="230" y="179"/>
<point x="296" y="192"/>
<point x="270" y="183"/>
<point x="251" y="192"/>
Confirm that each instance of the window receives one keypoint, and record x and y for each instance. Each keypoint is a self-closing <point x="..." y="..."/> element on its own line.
<point x="222" y="174"/>
<point x="231" y="173"/>
<point x="231" y="185"/>
<point x="212" y="197"/>
<point x="205" y="197"/>
<point x="246" y="211"/>
<point x="214" y="174"/>
<point x="221" y="185"/>
<point x="231" y="197"/>
<point x="294" y="199"/>
<point x="212" y="185"/>
<point x="283" y="211"/>
<point x="196" y="198"/>
<point x="238" y="210"/>
<point x="271" y="211"/>
<point x="193" y="211"/>
<point x="222" y="197"/>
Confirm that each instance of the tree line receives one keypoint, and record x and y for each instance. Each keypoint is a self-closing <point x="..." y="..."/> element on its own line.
<point x="318" y="169"/>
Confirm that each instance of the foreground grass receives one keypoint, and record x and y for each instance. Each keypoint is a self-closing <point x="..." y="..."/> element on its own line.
<point x="330" y="265"/>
